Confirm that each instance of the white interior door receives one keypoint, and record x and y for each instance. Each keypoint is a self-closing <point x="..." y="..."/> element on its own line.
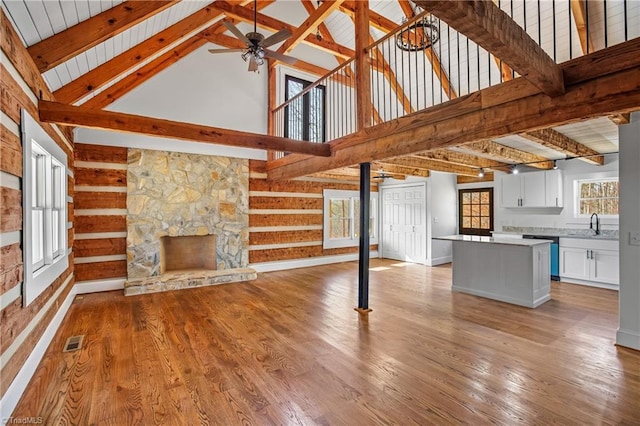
<point x="403" y="223"/>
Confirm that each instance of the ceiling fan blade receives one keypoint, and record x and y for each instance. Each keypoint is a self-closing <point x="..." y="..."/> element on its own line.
<point x="237" y="32"/>
<point x="253" y="64"/>
<point x="225" y="50"/>
<point x="276" y="38"/>
<point x="280" y="57"/>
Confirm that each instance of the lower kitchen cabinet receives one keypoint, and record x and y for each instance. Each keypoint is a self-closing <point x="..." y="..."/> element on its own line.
<point x="591" y="262"/>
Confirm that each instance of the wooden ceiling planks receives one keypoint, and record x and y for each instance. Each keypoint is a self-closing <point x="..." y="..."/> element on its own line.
<point x="123" y="63"/>
<point x="79" y="38"/>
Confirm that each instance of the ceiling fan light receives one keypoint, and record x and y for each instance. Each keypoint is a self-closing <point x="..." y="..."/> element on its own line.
<point x="259" y="60"/>
<point x="245" y="55"/>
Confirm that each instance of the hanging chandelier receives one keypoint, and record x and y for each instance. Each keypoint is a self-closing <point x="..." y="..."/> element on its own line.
<point x="420" y="35"/>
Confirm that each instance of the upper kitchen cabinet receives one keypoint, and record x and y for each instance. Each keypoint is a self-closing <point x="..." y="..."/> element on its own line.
<point x="534" y="189"/>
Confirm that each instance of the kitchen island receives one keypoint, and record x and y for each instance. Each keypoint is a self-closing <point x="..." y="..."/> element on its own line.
<point x="511" y="270"/>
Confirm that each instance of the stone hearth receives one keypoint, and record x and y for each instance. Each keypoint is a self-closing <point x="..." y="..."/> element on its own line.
<point x="197" y="205"/>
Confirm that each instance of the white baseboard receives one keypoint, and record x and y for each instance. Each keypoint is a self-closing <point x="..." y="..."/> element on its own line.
<point x="20" y="382"/>
<point x="282" y="265"/>
<point x="16" y="389"/>
<point x="590" y="283"/>
<point x="96" y="286"/>
<point x="439" y="261"/>
<point x="628" y="338"/>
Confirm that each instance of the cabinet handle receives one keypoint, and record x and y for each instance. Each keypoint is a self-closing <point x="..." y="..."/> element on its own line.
<point x="588" y="255"/>
<point x="556" y="201"/>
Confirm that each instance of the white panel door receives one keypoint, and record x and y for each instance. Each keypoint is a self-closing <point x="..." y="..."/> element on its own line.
<point x="403" y="223"/>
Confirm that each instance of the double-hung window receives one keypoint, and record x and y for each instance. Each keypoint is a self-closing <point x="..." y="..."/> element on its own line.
<point x="304" y="116"/>
<point x="599" y="196"/>
<point x="45" y="209"/>
<point x="342" y="218"/>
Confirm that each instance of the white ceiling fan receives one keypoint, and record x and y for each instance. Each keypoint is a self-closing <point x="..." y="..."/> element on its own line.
<point x="257" y="44"/>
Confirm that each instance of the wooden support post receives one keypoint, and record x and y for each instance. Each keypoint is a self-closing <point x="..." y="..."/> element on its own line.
<point x="363" y="114"/>
<point x="363" y="266"/>
<point x="363" y="83"/>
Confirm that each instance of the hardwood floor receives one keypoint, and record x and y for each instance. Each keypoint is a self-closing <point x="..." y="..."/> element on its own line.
<point x="288" y="348"/>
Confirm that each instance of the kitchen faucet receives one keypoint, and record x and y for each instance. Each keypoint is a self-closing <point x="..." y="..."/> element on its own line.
<point x="597" y="230"/>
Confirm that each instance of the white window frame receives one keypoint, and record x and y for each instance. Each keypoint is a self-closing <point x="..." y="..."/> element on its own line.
<point x="352" y="240"/>
<point x="577" y="198"/>
<point x="44" y="190"/>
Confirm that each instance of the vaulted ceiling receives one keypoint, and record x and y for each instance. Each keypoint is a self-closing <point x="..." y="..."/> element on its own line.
<point x="92" y="53"/>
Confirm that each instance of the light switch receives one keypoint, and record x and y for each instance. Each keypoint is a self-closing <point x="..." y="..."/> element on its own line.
<point x="435" y="220"/>
<point x="634" y="238"/>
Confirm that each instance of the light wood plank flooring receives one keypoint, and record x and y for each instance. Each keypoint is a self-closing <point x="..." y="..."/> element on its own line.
<point x="288" y="348"/>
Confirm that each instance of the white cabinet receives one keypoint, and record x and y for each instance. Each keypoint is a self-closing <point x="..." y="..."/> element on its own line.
<point x="553" y="188"/>
<point x="591" y="262"/>
<point x="534" y="189"/>
<point x="511" y="191"/>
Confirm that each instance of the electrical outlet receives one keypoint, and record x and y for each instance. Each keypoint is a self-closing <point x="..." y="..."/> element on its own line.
<point x="634" y="238"/>
<point x="435" y="220"/>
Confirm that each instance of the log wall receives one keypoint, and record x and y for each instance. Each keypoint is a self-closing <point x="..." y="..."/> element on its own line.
<point x="22" y="327"/>
<point x="285" y="217"/>
<point x="101" y="208"/>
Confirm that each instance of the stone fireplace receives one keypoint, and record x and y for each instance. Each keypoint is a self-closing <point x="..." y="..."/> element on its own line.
<point x="187" y="221"/>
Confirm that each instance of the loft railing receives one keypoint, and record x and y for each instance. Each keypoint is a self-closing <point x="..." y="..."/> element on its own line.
<point x="403" y="80"/>
<point x="328" y="103"/>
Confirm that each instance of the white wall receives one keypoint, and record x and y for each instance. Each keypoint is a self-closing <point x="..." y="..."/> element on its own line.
<point x="629" y="304"/>
<point x="442" y="216"/>
<point x="554" y="218"/>
<point x="203" y="88"/>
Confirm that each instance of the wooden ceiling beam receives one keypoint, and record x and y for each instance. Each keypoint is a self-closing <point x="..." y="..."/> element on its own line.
<point x="488" y="177"/>
<point x="81" y="37"/>
<point x="376" y="20"/>
<point x="398" y="170"/>
<point x="432" y="165"/>
<point x="462" y="158"/>
<point x="515" y="106"/>
<point x="121" y="64"/>
<point x="69" y="115"/>
<point x="506" y="153"/>
<point x="555" y="140"/>
<point x="326" y="8"/>
<point x="488" y="26"/>
<point x="624" y="118"/>
<point x="272" y="24"/>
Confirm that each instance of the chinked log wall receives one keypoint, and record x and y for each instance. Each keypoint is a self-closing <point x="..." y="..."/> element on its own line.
<point x="22" y="327"/>
<point x="101" y="209"/>
<point x="285" y="217"/>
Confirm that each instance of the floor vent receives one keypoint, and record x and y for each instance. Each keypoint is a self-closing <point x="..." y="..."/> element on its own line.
<point x="74" y="343"/>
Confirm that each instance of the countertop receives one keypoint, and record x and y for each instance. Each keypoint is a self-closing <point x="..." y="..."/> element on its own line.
<point x="564" y="234"/>
<point x="492" y="240"/>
